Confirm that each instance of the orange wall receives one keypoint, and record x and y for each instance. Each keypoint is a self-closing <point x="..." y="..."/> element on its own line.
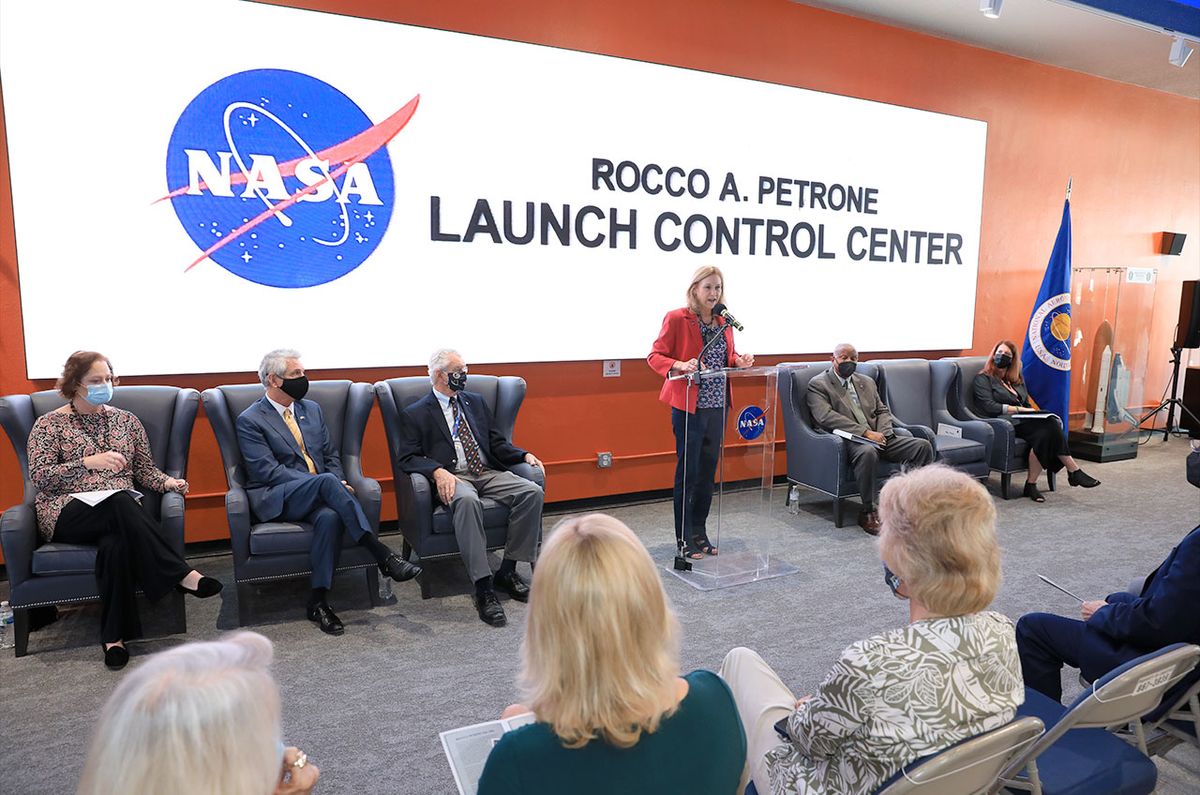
<point x="1132" y="152"/>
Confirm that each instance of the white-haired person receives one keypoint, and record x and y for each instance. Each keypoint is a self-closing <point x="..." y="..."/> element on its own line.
<point x="198" y="719"/>
<point x="951" y="673"/>
<point x="600" y="673"/>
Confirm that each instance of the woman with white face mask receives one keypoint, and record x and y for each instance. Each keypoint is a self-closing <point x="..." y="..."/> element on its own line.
<point x="88" y="445"/>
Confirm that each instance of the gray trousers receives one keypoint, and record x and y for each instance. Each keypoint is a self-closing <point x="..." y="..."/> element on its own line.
<point x="523" y="499"/>
<point x="900" y="450"/>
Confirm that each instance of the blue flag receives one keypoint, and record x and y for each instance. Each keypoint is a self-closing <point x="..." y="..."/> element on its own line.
<point x="1046" y="354"/>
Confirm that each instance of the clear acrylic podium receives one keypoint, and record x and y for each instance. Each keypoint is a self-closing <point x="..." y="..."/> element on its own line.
<point x="741" y="522"/>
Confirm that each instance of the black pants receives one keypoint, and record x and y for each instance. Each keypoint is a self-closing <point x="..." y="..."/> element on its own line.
<point x="132" y="552"/>
<point x="899" y="450"/>
<point x="700" y="434"/>
<point x="1046" y="439"/>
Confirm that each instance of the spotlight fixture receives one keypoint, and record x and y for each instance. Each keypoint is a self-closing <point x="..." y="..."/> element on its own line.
<point x="1180" y="52"/>
<point x="991" y="8"/>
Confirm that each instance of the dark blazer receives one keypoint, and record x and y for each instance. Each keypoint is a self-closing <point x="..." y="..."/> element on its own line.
<point x="426" y="445"/>
<point x="272" y="458"/>
<point x="1167" y="610"/>
<point x="991" y="396"/>
<point x="829" y="403"/>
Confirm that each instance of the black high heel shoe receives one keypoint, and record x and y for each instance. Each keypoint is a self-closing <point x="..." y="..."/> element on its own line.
<point x="1081" y="478"/>
<point x="115" y="657"/>
<point x="205" y="588"/>
<point x="1031" y="491"/>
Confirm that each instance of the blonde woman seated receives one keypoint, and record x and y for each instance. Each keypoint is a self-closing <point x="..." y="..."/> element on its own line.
<point x="951" y="673"/>
<point x="199" y="718"/>
<point x="600" y="672"/>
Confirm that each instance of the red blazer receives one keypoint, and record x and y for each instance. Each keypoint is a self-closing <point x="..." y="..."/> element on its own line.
<point x="680" y="340"/>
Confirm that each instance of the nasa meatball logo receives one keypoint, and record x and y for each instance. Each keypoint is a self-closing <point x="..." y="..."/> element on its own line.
<point x="282" y="179"/>
<point x="1050" y="330"/>
<point x="751" y="423"/>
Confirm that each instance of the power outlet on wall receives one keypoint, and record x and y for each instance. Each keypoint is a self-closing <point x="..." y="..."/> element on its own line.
<point x="604" y="460"/>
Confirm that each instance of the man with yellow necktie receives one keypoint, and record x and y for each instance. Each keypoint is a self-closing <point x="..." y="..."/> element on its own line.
<point x="294" y="474"/>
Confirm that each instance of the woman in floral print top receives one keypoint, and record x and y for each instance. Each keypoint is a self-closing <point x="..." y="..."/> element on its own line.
<point x="952" y="673"/>
<point x="89" y="446"/>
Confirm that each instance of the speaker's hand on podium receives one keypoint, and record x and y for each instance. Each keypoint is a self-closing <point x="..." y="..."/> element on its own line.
<point x="683" y="368"/>
<point x="743" y="360"/>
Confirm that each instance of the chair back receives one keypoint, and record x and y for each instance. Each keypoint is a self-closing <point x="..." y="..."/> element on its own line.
<point x="167" y="413"/>
<point x="345" y="406"/>
<point x="962" y="398"/>
<point x="907" y="388"/>
<point x="969" y="767"/>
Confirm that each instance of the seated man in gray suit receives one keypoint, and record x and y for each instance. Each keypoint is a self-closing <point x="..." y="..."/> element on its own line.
<point x="448" y="437"/>
<point x="840" y="400"/>
<point x="294" y="474"/>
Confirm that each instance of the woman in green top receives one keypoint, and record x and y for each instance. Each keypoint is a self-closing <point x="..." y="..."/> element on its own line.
<point x="600" y="671"/>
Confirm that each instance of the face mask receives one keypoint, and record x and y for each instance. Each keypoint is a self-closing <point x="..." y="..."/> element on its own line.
<point x="99" y="394"/>
<point x="1002" y="360"/>
<point x="295" y="388"/>
<point x="456" y="381"/>
<point x="1193" y="468"/>
<point x="893" y="581"/>
<point x="846" y="369"/>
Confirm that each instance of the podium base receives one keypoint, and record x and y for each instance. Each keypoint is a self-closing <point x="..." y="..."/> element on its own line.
<point x="734" y="568"/>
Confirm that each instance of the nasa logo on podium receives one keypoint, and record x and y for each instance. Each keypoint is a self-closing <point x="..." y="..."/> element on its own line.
<point x="751" y="423"/>
<point x="282" y="179"/>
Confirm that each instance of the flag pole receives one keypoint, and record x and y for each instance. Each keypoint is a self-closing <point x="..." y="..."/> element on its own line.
<point x="1069" y="188"/>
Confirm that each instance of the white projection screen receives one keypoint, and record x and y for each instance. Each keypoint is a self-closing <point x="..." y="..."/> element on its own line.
<point x="221" y="178"/>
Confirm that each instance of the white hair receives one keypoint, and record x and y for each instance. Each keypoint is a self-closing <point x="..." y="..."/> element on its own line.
<point x="199" y="718"/>
<point x="439" y="360"/>
<point x="275" y="363"/>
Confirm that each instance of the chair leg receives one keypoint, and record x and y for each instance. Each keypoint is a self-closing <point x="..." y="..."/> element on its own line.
<point x="244" y="591"/>
<point x="179" y="613"/>
<point x="837" y="511"/>
<point x="1005" y="484"/>
<point x="1052" y="478"/>
<point x="21" y="631"/>
<point x="372" y="573"/>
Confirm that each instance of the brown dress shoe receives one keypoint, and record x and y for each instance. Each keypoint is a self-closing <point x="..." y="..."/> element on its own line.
<point x="869" y="522"/>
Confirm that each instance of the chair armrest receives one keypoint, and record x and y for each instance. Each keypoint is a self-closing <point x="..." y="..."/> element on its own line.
<point x="237" y="510"/>
<point x="974" y="430"/>
<point x="816" y="458"/>
<point x="919" y="431"/>
<point x="18" y="538"/>
<point x="414" y="505"/>
<point x="369" y="496"/>
<point x="529" y="472"/>
<point x="171" y="518"/>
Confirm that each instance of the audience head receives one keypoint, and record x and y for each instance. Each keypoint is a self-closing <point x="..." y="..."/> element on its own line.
<point x="199" y="718"/>
<point x="938" y="535"/>
<point x="845" y="359"/>
<point x="707" y="288"/>
<point x="1004" y="363"/>
<point x="282" y="373"/>
<point x="600" y="657"/>
<point x="447" y="371"/>
<point x="86" y="373"/>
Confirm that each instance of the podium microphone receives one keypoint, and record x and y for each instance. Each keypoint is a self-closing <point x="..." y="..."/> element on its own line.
<point x="721" y="310"/>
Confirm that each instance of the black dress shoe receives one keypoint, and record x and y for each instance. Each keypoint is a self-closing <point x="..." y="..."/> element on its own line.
<point x="205" y="588"/>
<point x="513" y="585"/>
<point x="115" y="657"/>
<point x="1081" y="478"/>
<point x="490" y="611"/>
<point x="326" y="619"/>
<point x="399" y="569"/>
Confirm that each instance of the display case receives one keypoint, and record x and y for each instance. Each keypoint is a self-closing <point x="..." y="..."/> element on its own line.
<point x="1110" y="349"/>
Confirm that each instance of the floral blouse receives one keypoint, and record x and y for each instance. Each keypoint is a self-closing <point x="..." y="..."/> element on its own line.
<point x="60" y="441"/>
<point x="898" y="696"/>
<point x="712" y="390"/>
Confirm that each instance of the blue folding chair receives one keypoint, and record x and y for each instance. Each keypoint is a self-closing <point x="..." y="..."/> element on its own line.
<point x="1076" y="756"/>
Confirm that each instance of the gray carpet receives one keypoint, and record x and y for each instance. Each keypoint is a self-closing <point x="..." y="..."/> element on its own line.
<point x="368" y="706"/>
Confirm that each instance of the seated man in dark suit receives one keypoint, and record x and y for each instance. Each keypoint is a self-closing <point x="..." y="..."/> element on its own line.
<point x="840" y="400"/>
<point x="294" y="474"/>
<point x="447" y="436"/>
<point x="1119" y="628"/>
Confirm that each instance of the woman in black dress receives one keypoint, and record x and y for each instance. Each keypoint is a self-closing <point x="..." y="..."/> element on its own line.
<point x="1000" y="392"/>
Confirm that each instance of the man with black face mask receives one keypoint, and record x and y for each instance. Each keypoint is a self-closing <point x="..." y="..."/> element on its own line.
<point x="294" y="474"/>
<point x="839" y="399"/>
<point x="447" y="436"/>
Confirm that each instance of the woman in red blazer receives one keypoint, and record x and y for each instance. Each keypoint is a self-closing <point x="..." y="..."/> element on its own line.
<point x="697" y="408"/>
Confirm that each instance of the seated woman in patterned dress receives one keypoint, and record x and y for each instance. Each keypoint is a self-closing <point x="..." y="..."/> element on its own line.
<point x="89" y="446"/>
<point x="952" y="673"/>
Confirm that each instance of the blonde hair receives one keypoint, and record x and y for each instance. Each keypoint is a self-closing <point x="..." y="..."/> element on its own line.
<point x="938" y="533"/>
<point x="199" y="718"/>
<point x="702" y="273"/>
<point x="601" y="653"/>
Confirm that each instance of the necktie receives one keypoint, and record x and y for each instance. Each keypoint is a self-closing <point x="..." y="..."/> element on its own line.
<point x="470" y="446"/>
<point x="854" y="404"/>
<point x="290" y="422"/>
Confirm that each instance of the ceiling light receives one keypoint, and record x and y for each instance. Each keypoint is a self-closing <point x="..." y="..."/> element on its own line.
<point x="1180" y="52"/>
<point x="991" y="8"/>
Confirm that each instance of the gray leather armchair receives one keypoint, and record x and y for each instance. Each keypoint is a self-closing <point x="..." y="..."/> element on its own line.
<point x="917" y="393"/>
<point x="43" y="574"/>
<point x="1009" y="453"/>
<point x="816" y="459"/>
<point x="424" y="521"/>
<point x="265" y="551"/>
